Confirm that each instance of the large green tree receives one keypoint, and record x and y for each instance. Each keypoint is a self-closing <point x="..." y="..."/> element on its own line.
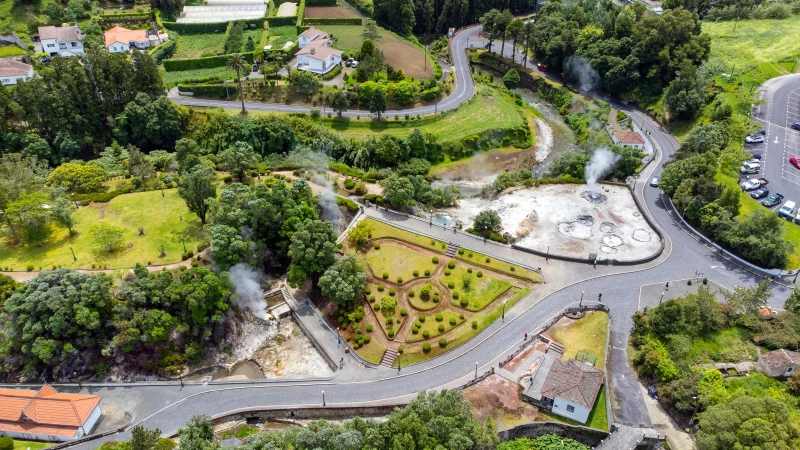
<point x="238" y="158"/>
<point x="397" y="15"/>
<point x="197" y="187"/>
<point x="746" y="422"/>
<point x="398" y="190"/>
<point x="343" y="282"/>
<point x="487" y="221"/>
<point x="312" y="247"/>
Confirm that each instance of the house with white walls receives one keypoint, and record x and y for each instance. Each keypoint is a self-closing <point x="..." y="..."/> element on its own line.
<point x="316" y="54"/>
<point x="61" y="41"/>
<point x="571" y="388"/>
<point x="47" y="415"/>
<point x="628" y="139"/>
<point x="119" y="39"/>
<point x="12" y="71"/>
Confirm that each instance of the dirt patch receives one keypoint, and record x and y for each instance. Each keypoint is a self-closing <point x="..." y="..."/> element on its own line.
<point x="404" y="55"/>
<point x="291" y="355"/>
<point x="500" y="399"/>
<point x="328" y="12"/>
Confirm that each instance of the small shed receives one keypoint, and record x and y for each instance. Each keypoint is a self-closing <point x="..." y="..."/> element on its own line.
<point x="778" y="363"/>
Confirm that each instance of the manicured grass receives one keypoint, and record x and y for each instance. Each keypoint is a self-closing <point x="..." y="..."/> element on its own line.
<point x="195" y="45"/>
<point x="598" y="417"/>
<point x="9" y="51"/>
<point x="33" y="445"/>
<point x="397" y="261"/>
<point x="587" y="334"/>
<point x="281" y="35"/>
<point x="482" y="291"/>
<point x="432" y="326"/>
<point x="479" y="259"/>
<point x="381" y="229"/>
<point x="171" y="79"/>
<point x="419" y="303"/>
<point x="160" y="218"/>
<point x="489" y="109"/>
<point x="413" y="353"/>
<point x="755" y="41"/>
<point x="372" y="352"/>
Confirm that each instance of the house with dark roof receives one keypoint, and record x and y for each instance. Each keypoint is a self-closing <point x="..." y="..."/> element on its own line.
<point x="778" y="363"/>
<point x="571" y="387"/>
<point x="47" y="415"/>
<point x="62" y="41"/>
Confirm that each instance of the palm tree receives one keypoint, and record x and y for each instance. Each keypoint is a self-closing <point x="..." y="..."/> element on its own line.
<point x="237" y="63"/>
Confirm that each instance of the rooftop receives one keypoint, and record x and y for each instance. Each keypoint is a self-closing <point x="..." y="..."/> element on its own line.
<point x="628" y="137"/>
<point x="60" y="34"/>
<point x="125" y="36"/>
<point x="573" y="380"/>
<point x="779" y="358"/>
<point x="11" y="68"/>
<point x="45" y="411"/>
<point x="311" y="33"/>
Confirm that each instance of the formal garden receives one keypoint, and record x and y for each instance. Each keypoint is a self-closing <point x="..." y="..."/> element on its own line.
<point x="422" y="303"/>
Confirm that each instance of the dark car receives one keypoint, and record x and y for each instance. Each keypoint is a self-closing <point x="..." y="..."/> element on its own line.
<point x="796" y="126"/>
<point x="772" y="200"/>
<point x="652" y="392"/>
<point x="46" y="59"/>
<point x="760" y="193"/>
<point x="756" y="155"/>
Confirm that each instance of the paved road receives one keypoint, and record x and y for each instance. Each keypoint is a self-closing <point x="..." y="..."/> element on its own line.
<point x="167" y="407"/>
<point x="780" y="110"/>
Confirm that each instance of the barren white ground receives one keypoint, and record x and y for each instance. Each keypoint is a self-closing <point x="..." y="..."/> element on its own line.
<point x="560" y="216"/>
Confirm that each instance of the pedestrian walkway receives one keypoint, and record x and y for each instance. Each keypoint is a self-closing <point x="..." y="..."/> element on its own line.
<point x="625" y="438"/>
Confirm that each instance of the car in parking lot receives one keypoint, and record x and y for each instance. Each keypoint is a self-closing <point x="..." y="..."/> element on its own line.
<point x="787" y="211"/>
<point x="795" y="161"/>
<point x="760" y="193"/>
<point x="756" y="155"/>
<point x="772" y="200"/>
<point x="750" y="167"/>
<point x="796" y="126"/>
<point x="754" y="139"/>
<point x="654" y="182"/>
<point x="754" y="183"/>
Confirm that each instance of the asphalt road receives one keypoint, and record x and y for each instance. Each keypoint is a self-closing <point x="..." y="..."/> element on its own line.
<point x="780" y="110"/>
<point x="167" y="407"/>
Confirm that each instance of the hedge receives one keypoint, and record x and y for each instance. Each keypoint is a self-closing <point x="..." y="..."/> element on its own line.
<point x="281" y="21"/>
<point x="124" y="16"/>
<point x="210" y="90"/>
<point x="178" y="65"/>
<point x="330" y="75"/>
<point x="211" y="27"/>
<point x="164" y="50"/>
<point x="347" y="203"/>
<point x="333" y="21"/>
<point x="301" y="11"/>
<point x="320" y="2"/>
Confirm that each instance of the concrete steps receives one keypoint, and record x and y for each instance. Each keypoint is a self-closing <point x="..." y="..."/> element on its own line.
<point x="556" y="347"/>
<point x="388" y="358"/>
<point x="451" y="250"/>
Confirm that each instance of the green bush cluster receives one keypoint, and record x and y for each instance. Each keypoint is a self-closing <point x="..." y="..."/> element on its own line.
<point x="332" y="74"/>
<point x="347" y="203"/>
<point x="208" y="62"/>
<point x="443" y="342"/>
<point x="210" y="90"/>
<point x="439" y="317"/>
<point x="385" y="275"/>
<point x="378" y="247"/>
<point x="426" y="348"/>
<point x="369" y="328"/>
<point x="349" y="184"/>
<point x="469" y="269"/>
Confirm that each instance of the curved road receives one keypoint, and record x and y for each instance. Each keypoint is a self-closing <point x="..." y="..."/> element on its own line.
<point x="168" y="406"/>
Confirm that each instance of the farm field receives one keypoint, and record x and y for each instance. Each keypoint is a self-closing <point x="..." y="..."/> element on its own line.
<point x="197" y="45"/>
<point x="165" y="221"/>
<point x="173" y="78"/>
<point x="399" y="53"/>
<point x="488" y="110"/>
<point x="328" y="12"/>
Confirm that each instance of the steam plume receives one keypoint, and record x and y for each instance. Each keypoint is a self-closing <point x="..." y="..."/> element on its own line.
<point x="247" y="283"/>
<point x="580" y="68"/>
<point x="602" y="161"/>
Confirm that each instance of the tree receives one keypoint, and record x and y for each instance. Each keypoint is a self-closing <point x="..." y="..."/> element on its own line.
<point x="138" y="164"/>
<point x="196" y="188"/>
<point x="371" y="33"/>
<point x="501" y="23"/>
<point x="143" y="439"/>
<point x="107" y="238"/>
<point x="304" y="81"/>
<point x="513" y="31"/>
<point x="360" y="234"/>
<point x="398" y="190"/>
<point x="528" y="41"/>
<point x="343" y="282"/>
<point x="149" y="123"/>
<point x="186" y="154"/>
<point x="80" y="178"/>
<point x="511" y="78"/>
<point x="61" y="209"/>
<point x="168" y="8"/>
<point x="488" y="21"/>
<point x="228" y="248"/>
<point x="197" y="434"/>
<point x="793" y="302"/>
<point x="340" y="102"/>
<point x="367" y="48"/>
<point x="30" y="213"/>
<point x="487" y="221"/>
<point x="748" y="300"/>
<point x="397" y="14"/>
<point x="238" y="159"/>
<point x="238" y="65"/>
<point x="311" y="250"/>
<point x="685" y="95"/>
<point x="746" y="422"/>
<point x="702" y="166"/>
<point x="377" y="104"/>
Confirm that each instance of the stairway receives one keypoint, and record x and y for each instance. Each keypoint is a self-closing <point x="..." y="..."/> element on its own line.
<point x="388" y="357"/>
<point x="451" y="250"/>
<point x="556" y="347"/>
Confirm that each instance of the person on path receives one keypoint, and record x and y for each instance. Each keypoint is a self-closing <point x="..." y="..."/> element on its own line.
<point x="526" y="336"/>
<point x="341" y="363"/>
<point x="666" y="288"/>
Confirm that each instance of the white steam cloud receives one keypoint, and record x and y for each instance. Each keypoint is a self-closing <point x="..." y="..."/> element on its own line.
<point x="247" y="283"/>
<point x="580" y="68"/>
<point x="602" y="161"/>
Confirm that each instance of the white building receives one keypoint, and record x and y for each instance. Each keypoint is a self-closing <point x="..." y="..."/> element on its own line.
<point x="316" y="54"/>
<point x="778" y="363"/>
<point x="119" y="39"/>
<point x="572" y="387"/>
<point x="62" y="41"/>
<point x="628" y="139"/>
<point x="47" y="415"/>
<point x="12" y="71"/>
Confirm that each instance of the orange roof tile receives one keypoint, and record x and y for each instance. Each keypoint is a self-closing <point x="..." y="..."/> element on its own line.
<point x="47" y="408"/>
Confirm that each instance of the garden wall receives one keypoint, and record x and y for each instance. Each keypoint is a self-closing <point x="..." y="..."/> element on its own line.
<point x="584" y="435"/>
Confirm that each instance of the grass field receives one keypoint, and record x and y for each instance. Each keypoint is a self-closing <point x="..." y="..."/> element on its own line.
<point x="482" y="291"/>
<point x="400" y="53"/>
<point x="32" y="445"/>
<point x="195" y="45"/>
<point x="432" y="326"/>
<point x="381" y="229"/>
<point x="173" y="78"/>
<point x="480" y="259"/>
<point x="159" y="217"/>
<point x="755" y="41"/>
<point x="398" y="261"/>
<point x="10" y="51"/>
<point x="328" y="12"/>
<point x="587" y="334"/>
<point x="488" y="110"/>
<point x="280" y="35"/>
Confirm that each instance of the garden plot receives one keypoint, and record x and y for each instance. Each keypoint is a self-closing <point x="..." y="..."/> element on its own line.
<point x="571" y="220"/>
<point x="328" y="12"/>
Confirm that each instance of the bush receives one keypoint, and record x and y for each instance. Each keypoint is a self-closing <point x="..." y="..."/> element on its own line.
<point x="400" y="350"/>
<point x="332" y="74"/>
<point x="479" y="274"/>
<point x="461" y="316"/>
<point x="452" y="321"/>
<point x="349" y="184"/>
<point x="421" y="318"/>
<point x="417" y="324"/>
<point x="435" y="260"/>
<point x="390" y="333"/>
<point x="464" y="302"/>
<point x="400" y="280"/>
<point x="376" y="307"/>
<point x="367" y="338"/>
<point x="411" y="294"/>
<point x="372" y="299"/>
<point x="391" y="292"/>
<point x="403" y="312"/>
<point x="361" y="188"/>
<point x="426" y="334"/>
<point x="6" y="443"/>
<point x="427" y="273"/>
<point x="378" y="247"/>
<point x="451" y="265"/>
<point x="447" y="272"/>
<point x="469" y="270"/>
<point x="179" y="65"/>
<point x="369" y="328"/>
<point x="29" y="268"/>
<point x="426" y="348"/>
<point x="455" y="295"/>
<point x="368" y="290"/>
<point x="450" y="284"/>
<point x="381" y="288"/>
<point x="474" y="324"/>
<point x="416" y="273"/>
<point x="415" y="330"/>
<point x="440" y="328"/>
<point x="461" y="251"/>
<point x="443" y="342"/>
<point x="227" y="179"/>
<point x="435" y="299"/>
<point x="385" y="276"/>
<point x="439" y="317"/>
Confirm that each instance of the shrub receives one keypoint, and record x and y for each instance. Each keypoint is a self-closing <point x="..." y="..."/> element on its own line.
<point x="470" y="255"/>
<point x="377" y="246"/>
<point x="416" y="273"/>
<point x="443" y="342"/>
<point x="451" y="265"/>
<point x="400" y="350"/>
<point x="439" y="317"/>
<point x="689" y="282"/>
<point x="376" y="307"/>
<point x="447" y="272"/>
<point x="426" y="348"/>
<point x="480" y="274"/>
<point x="452" y="321"/>
<point x="461" y="316"/>
<point x="426" y="334"/>
<point x="435" y="260"/>
<point x="436" y="299"/>
<point x="427" y="273"/>
<point x="403" y="312"/>
<point x="440" y="328"/>
<point x="418" y="324"/>
<point x="361" y="188"/>
<point x="474" y="324"/>
<point x="385" y="276"/>
<point x="367" y="338"/>
<point x="367" y="290"/>
<point x="388" y="305"/>
<point x="356" y="346"/>
<point x="415" y="330"/>
<point x="411" y="294"/>
<point x="227" y="178"/>
<point x="464" y="302"/>
<point x="469" y="270"/>
<point x="399" y="279"/>
<point x="381" y="288"/>
<point x="369" y="328"/>
<point x="513" y="269"/>
<point x="433" y="243"/>
<point x="421" y="318"/>
<point x="390" y="333"/>
<point x="30" y="268"/>
<point x="461" y="251"/>
<point x="339" y="246"/>
<point x="349" y="184"/>
<point x="372" y="299"/>
<point x="488" y="260"/>
<point x="391" y="292"/>
<point x="455" y="295"/>
<point x="450" y="284"/>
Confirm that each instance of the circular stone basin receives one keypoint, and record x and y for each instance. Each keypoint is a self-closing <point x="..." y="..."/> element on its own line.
<point x="607" y="227"/>
<point x="607" y="249"/>
<point x="611" y="240"/>
<point x="443" y="219"/>
<point x="575" y="230"/>
<point x="594" y="197"/>
<point x="642" y="235"/>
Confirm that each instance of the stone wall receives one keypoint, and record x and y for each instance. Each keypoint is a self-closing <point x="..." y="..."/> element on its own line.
<point x="584" y="435"/>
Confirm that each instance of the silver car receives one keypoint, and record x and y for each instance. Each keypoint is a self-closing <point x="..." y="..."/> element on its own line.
<point x="654" y="182"/>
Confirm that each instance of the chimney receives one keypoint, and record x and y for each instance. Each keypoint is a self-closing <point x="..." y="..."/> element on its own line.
<point x="313" y="51"/>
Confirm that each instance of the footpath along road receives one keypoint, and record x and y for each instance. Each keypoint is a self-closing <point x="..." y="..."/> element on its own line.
<point x="168" y="406"/>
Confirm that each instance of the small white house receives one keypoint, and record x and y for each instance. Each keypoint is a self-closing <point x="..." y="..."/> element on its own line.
<point x="12" y="71"/>
<point x="319" y="60"/>
<point x="311" y="34"/>
<point x="119" y="39"/>
<point x="628" y="139"/>
<point x="61" y="41"/>
<point x="47" y="415"/>
<point x="572" y="387"/>
<point x="778" y="363"/>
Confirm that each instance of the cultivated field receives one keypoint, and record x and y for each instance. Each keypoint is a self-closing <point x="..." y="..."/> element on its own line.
<point x="328" y="12"/>
<point x="755" y="41"/>
<point x="399" y="53"/>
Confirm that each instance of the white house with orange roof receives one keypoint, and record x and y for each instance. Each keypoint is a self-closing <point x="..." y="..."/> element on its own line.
<point x="119" y="39"/>
<point x="316" y="54"/>
<point x="47" y="415"/>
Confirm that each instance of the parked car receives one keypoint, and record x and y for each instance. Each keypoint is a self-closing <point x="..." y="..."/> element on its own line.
<point x="354" y="64"/>
<point x="349" y="62"/>
<point x="652" y="392"/>
<point x="787" y="210"/>
<point x="654" y="182"/>
<point x="754" y="139"/>
<point x="46" y="59"/>
<point x="255" y="67"/>
<point x="541" y="67"/>
<point x="754" y="183"/>
<point x="760" y="193"/>
<point x="756" y="155"/>
<point x="772" y="200"/>
<point x="750" y="167"/>
<point x="796" y="126"/>
<point x="795" y="161"/>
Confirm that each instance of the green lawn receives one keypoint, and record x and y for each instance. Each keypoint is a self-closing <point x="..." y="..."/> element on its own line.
<point x="171" y="79"/>
<point x="195" y="45"/>
<point x="481" y="292"/>
<point x="755" y="41"/>
<point x="432" y="326"/>
<point x="598" y="417"/>
<point x="490" y="109"/>
<point x="280" y="35"/>
<point x="587" y="334"/>
<point x="397" y="261"/>
<point x="480" y="259"/>
<point x="730" y="344"/>
<point x="381" y="229"/>
<point x="33" y="445"/>
<point x="159" y="217"/>
<point x="419" y="303"/>
<point x="10" y="51"/>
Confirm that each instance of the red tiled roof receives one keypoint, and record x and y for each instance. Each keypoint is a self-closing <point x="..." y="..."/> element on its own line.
<point x="628" y="137"/>
<point x="11" y="68"/>
<point x="779" y="358"/>
<point x="45" y="411"/>
<point x="574" y="381"/>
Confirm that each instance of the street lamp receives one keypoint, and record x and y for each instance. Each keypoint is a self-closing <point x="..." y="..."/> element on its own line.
<point x="323" y="398"/>
<point x="504" y="310"/>
<point x="74" y="258"/>
<point x="580" y="303"/>
<point x="662" y="298"/>
<point x="398" y="362"/>
<point x="476" y="369"/>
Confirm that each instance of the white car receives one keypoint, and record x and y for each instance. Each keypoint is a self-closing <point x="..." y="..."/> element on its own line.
<point x="751" y="185"/>
<point x="654" y="182"/>
<point x="749" y="168"/>
<point x="754" y="139"/>
<point x="354" y="64"/>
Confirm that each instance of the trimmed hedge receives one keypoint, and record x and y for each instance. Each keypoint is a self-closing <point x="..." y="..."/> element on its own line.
<point x="212" y="27"/>
<point x="179" y="65"/>
<point x="164" y="51"/>
<point x="124" y="16"/>
<point x="330" y="75"/>
<point x="281" y="21"/>
<point x="320" y="2"/>
<point x="334" y="21"/>
<point x="210" y="90"/>
<point x="301" y="11"/>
